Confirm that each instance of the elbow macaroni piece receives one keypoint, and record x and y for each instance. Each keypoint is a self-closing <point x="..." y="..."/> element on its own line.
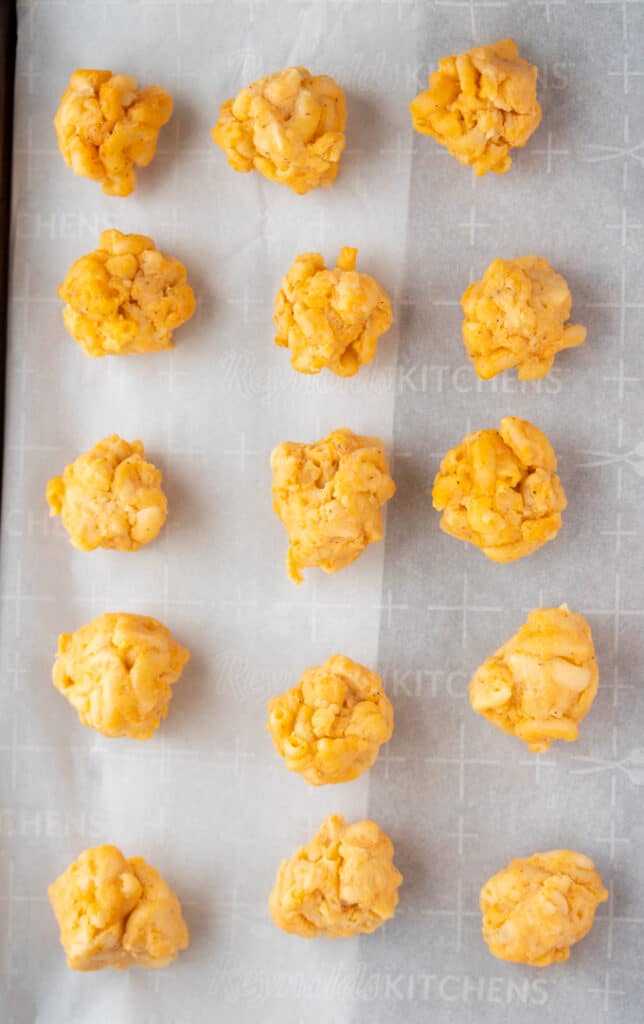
<point x="539" y="906"/>
<point x="479" y="105"/>
<point x="329" y="496"/>
<point x="499" y="490"/>
<point x="330" y="726"/>
<point x="118" y="671"/>
<point x="515" y="316"/>
<point x="109" y="497"/>
<point x="125" y="297"/>
<point x="342" y="883"/>
<point x="330" y="318"/>
<point x="542" y="681"/>
<point x="289" y="126"/>
<point x="114" y="912"/>
<point x="106" y="127"/>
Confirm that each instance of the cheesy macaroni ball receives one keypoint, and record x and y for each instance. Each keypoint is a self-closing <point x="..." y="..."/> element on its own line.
<point x="106" y="127"/>
<point x="329" y="495"/>
<point x="342" y="883"/>
<point x="515" y="316"/>
<point x="499" y="490"/>
<point x="330" y="318"/>
<point x="480" y="105"/>
<point x="109" y="497"/>
<point x="330" y="726"/>
<point x="125" y="297"/>
<point x="542" y="681"/>
<point x="116" y="912"/>
<point x="289" y="126"/>
<point x="539" y="906"/>
<point x="118" y="671"/>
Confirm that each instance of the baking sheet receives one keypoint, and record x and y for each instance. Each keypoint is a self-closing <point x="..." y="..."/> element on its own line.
<point x="207" y="800"/>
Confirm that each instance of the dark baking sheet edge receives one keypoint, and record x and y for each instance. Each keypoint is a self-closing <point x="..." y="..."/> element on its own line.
<point x="8" y="40"/>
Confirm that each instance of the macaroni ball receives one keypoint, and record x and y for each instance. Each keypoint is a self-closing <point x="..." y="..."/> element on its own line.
<point x="330" y="318"/>
<point x="118" y="671"/>
<point x="116" y="912"/>
<point x="542" y="681"/>
<point x="342" y="883"/>
<point x="515" y="316"/>
<point x="289" y="126"/>
<point x="125" y="297"/>
<point x="330" y="726"/>
<point x="106" y="127"/>
<point x="499" y="490"/>
<point x="109" y="497"/>
<point x="480" y="105"/>
<point x="329" y="496"/>
<point x="539" y="906"/>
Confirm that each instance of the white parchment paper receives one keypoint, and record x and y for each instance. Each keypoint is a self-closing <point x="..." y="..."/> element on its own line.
<point x="207" y="800"/>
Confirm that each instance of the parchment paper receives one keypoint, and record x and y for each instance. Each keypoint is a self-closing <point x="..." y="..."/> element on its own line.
<point x="207" y="800"/>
